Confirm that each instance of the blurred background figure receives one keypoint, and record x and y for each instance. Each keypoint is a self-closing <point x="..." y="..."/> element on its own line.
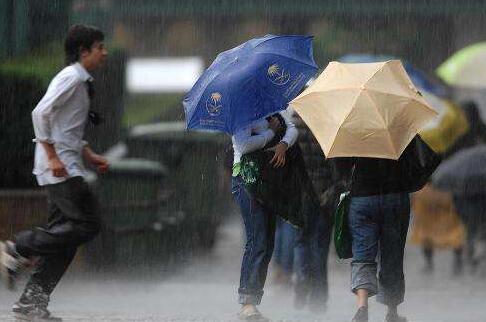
<point x="476" y="129"/>
<point x="463" y="175"/>
<point x="301" y="256"/>
<point x="436" y="226"/>
<point x="435" y="222"/>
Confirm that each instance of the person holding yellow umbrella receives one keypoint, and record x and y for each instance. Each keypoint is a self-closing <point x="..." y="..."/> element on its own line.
<point x="368" y="116"/>
<point x="435" y="224"/>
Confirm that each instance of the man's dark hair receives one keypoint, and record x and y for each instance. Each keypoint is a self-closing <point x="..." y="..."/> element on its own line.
<point x="80" y="37"/>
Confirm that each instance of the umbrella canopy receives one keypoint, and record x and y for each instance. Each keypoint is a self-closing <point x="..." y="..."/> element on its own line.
<point x="449" y="125"/>
<point x="464" y="173"/>
<point x="363" y="110"/>
<point x="249" y="82"/>
<point x="466" y="68"/>
<point x="422" y="80"/>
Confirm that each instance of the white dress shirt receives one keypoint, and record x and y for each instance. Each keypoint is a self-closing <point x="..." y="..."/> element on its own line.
<point x="60" y="119"/>
<point x="256" y="135"/>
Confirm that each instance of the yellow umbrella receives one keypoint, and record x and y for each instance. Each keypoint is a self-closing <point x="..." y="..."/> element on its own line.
<point x="447" y="127"/>
<point x="363" y="110"/>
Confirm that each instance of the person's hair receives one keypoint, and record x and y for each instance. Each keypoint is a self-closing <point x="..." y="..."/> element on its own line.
<point x="80" y="37"/>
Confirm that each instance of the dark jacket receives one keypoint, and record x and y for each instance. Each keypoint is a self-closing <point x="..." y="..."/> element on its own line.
<point x="371" y="176"/>
<point x="286" y="191"/>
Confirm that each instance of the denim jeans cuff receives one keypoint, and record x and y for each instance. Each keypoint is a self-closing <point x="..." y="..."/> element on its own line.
<point x="249" y="299"/>
<point x="363" y="276"/>
<point x="370" y="287"/>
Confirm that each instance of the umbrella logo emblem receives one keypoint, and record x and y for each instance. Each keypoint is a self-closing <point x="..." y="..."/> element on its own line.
<point x="213" y="104"/>
<point x="278" y="76"/>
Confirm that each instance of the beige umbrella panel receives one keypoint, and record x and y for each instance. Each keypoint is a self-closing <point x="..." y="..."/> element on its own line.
<point x="363" y="110"/>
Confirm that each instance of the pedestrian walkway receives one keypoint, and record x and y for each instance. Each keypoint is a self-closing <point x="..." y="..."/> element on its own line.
<point x="205" y="290"/>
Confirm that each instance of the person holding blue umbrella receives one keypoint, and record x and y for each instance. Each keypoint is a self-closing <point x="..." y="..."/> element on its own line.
<point x="240" y="94"/>
<point x="260" y="224"/>
<point x="249" y="82"/>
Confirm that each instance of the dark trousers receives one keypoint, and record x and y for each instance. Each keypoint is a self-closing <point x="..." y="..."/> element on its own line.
<point x="73" y="220"/>
<point x="283" y="253"/>
<point x="472" y="210"/>
<point x="311" y="252"/>
<point x="305" y="252"/>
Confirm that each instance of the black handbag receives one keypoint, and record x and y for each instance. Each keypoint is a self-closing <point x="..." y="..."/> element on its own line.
<point x="417" y="163"/>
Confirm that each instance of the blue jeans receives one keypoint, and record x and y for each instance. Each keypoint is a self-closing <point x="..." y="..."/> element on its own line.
<point x="379" y="225"/>
<point x="285" y="237"/>
<point x="260" y="237"/>
<point x="305" y="252"/>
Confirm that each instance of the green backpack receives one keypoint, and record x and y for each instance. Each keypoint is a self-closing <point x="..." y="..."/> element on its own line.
<point x="342" y="235"/>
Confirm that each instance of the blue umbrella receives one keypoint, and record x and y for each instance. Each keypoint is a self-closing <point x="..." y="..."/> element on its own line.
<point x="248" y="82"/>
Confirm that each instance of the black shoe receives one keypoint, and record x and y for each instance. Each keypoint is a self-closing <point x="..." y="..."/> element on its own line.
<point x="361" y="315"/>
<point x="395" y="318"/>
<point x="11" y="263"/>
<point x="32" y="305"/>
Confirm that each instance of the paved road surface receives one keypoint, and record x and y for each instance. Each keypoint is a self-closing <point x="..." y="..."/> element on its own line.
<point x="204" y="290"/>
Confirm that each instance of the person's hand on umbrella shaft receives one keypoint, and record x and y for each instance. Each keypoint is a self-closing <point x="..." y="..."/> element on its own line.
<point x="279" y="157"/>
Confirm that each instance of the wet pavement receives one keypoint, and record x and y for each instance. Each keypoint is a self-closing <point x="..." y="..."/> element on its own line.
<point x="205" y="290"/>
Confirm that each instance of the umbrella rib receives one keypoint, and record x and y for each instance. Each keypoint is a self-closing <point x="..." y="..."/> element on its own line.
<point x="374" y="73"/>
<point x="367" y="80"/>
<point x="344" y="121"/>
<point x="288" y="36"/>
<point x="323" y="91"/>
<point x="210" y="81"/>
<point x="384" y="123"/>
<point x="429" y="107"/>
<point x="287" y="57"/>
<point x="217" y="75"/>
<point x="304" y="94"/>
<point x="396" y="95"/>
